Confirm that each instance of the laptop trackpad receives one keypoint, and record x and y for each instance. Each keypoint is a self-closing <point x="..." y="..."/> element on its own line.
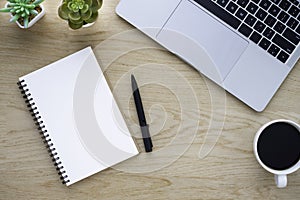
<point x="191" y="32"/>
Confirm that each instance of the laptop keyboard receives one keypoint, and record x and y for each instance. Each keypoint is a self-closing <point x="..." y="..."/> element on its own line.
<point x="271" y="24"/>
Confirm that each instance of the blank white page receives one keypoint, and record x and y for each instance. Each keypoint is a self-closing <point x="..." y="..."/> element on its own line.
<point x="80" y="115"/>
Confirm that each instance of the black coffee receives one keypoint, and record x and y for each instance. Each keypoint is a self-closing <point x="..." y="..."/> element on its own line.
<point x="278" y="146"/>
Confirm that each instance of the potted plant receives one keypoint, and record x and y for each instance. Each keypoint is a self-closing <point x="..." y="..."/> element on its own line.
<point x="79" y="13"/>
<point x="24" y="12"/>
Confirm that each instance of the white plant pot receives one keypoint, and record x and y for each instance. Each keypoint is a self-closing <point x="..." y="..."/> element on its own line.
<point x="34" y="20"/>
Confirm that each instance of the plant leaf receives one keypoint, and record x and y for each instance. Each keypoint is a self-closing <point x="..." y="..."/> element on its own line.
<point x="30" y="6"/>
<point x="34" y="12"/>
<point x="80" y="21"/>
<point x="74" y="16"/>
<point x="69" y="5"/>
<point x="5" y="9"/>
<point x="62" y="14"/>
<point x="26" y="22"/>
<point x="37" y="2"/>
<point x="27" y="11"/>
<point x="93" y="18"/>
<point x="85" y="8"/>
<point x="75" y="26"/>
<point x="13" y="10"/>
<point x="87" y="15"/>
<point x="15" y="18"/>
<point x="64" y="8"/>
<point x="97" y="4"/>
<point x="89" y="2"/>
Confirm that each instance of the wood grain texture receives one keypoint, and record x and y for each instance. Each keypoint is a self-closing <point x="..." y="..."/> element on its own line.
<point x="229" y="171"/>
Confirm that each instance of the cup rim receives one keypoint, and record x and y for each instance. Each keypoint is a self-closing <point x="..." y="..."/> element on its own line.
<point x="278" y="172"/>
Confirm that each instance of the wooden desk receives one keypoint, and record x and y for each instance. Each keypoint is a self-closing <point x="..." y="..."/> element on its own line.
<point x="229" y="171"/>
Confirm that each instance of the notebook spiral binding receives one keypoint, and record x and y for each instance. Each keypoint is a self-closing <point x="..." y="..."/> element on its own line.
<point x="42" y="130"/>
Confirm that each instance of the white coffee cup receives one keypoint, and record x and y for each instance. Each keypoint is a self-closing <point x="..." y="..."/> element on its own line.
<point x="280" y="175"/>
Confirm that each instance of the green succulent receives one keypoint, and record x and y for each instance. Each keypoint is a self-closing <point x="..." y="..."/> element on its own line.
<point x="22" y="9"/>
<point x="79" y="12"/>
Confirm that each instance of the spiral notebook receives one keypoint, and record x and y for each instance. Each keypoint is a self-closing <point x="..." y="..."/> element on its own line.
<point x="77" y="116"/>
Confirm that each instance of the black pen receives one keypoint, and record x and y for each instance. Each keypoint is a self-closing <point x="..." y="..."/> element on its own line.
<point x="141" y="115"/>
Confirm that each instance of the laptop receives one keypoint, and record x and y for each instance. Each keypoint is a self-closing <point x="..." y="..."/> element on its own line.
<point x="248" y="47"/>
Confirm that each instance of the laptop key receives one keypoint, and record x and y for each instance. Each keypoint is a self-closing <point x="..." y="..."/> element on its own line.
<point x="261" y="14"/>
<point x="250" y="20"/>
<point x="255" y="37"/>
<point x="259" y="26"/>
<point x="279" y="27"/>
<point x="283" y="16"/>
<point x="264" y="43"/>
<point x="284" y="4"/>
<point x="265" y="4"/>
<point x="295" y="2"/>
<point x="292" y="23"/>
<point x="294" y="11"/>
<point x="242" y="3"/>
<point x="274" y="10"/>
<point x="291" y="36"/>
<point x="270" y="21"/>
<point x="282" y="56"/>
<point x="245" y="30"/>
<point x="268" y="33"/>
<point x="252" y="8"/>
<point x="255" y="1"/>
<point x="283" y="43"/>
<point x="232" y="7"/>
<point x="241" y="14"/>
<point x="273" y="50"/>
<point x="220" y="13"/>
<point x="222" y="2"/>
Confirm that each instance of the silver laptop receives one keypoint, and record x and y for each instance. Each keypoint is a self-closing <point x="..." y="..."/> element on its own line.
<point x="248" y="47"/>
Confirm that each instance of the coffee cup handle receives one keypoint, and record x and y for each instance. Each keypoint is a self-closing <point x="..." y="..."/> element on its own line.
<point x="281" y="180"/>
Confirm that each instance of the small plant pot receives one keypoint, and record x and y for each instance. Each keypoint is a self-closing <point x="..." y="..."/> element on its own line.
<point x="85" y="25"/>
<point x="34" y="20"/>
